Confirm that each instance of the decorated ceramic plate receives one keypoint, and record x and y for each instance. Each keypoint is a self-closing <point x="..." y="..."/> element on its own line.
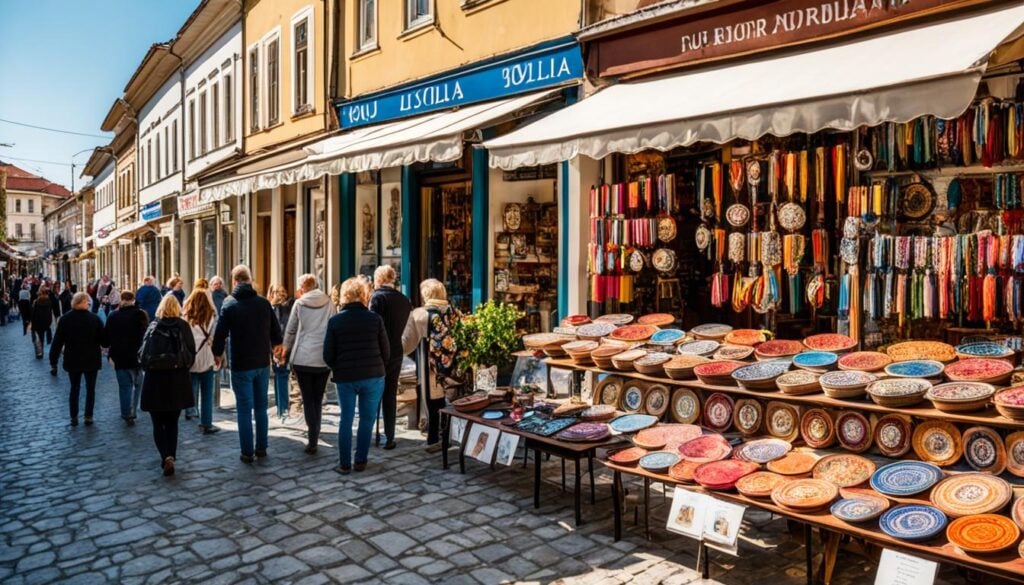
<point x="846" y="379"/>
<point x="984" y="533"/>
<point x="666" y="229"/>
<point x="798" y="382"/>
<point x="893" y="434"/>
<point x="595" y="330"/>
<point x="778" y="348"/>
<point x="493" y="414"/>
<point x="832" y="342"/>
<point x="748" y="337"/>
<point x="763" y="450"/>
<point x="805" y="494"/>
<point x="575" y="320"/>
<point x="705" y="449"/>
<point x="794" y="463"/>
<point x="632" y="423"/>
<point x="984" y="450"/>
<point x="937" y="442"/>
<point x="759" y="484"/>
<point x="737" y="215"/>
<point x="667" y="436"/>
<point x="584" y="432"/>
<point x="718" y="409"/>
<point x="815" y="361"/>
<point x="734" y="352"/>
<point x="921" y="350"/>
<point x="1017" y="512"/>
<point x="991" y="371"/>
<point x="685" y="405"/>
<point x="965" y="494"/>
<point x="983" y="349"/>
<point x="631" y="333"/>
<point x="667" y="337"/>
<point x="683" y="471"/>
<point x="608" y="390"/>
<point x="598" y="413"/>
<point x="716" y="370"/>
<point x="961" y="396"/>
<point x="541" y="340"/>
<point x="581" y="346"/>
<point x="656" y="402"/>
<point x="782" y="421"/>
<point x="656" y="319"/>
<point x="760" y="371"/>
<point x="898" y="392"/>
<point x="655" y="358"/>
<point x="628" y="456"/>
<point x="617" y="319"/>
<point x="915" y="369"/>
<point x="715" y="331"/>
<point x="792" y="216"/>
<point x="844" y="470"/>
<point x="1015" y="453"/>
<point x="747" y="416"/>
<point x="658" y="462"/>
<point x="723" y="475"/>
<point x="701" y="347"/>
<point x="905" y="478"/>
<point x="632" y="396"/>
<point x="664" y="260"/>
<point x="817" y="428"/>
<point x="859" y="509"/>
<point x="853" y="431"/>
<point x="864" y="361"/>
<point x="913" y="523"/>
<point x="1010" y="402"/>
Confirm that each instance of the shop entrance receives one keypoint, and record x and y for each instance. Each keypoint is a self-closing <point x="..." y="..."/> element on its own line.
<point x="288" y="266"/>
<point x="263" y="258"/>
<point x="447" y="227"/>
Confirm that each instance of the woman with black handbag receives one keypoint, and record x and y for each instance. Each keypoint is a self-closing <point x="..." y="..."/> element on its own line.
<point x="168" y="352"/>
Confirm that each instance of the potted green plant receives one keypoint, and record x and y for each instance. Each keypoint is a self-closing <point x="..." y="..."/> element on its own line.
<point x="487" y="338"/>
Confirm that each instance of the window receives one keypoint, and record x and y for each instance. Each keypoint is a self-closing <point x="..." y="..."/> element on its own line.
<point x="229" y="122"/>
<point x="192" y="129"/>
<point x="418" y="12"/>
<point x="174" y="146"/>
<point x="17" y="206"/>
<point x="149" y="161"/>
<point x="215" y="114"/>
<point x="158" y="157"/>
<point x="367" y="24"/>
<point x="17" y="231"/>
<point x="203" y="144"/>
<point x="254" y="89"/>
<point x="31" y="206"/>
<point x="273" y="82"/>
<point x="32" y="231"/>
<point x="301" y="66"/>
<point x="167" y="150"/>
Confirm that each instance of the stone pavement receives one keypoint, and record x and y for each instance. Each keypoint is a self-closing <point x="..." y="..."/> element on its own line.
<point x="89" y="505"/>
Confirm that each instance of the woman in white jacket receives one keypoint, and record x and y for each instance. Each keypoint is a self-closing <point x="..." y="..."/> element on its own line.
<point x="202" y="318"/>
<point x="303" y="344"/>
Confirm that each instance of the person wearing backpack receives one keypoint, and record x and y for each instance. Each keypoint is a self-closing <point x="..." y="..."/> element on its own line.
<point x="201" y="316"/>
<point x="168" y="352"/>
<point x="433" y="322"/>
<point x="124" y="332"/>
<point x="79" y="336"/>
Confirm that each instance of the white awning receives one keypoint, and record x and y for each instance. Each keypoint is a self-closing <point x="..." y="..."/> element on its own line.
<point x="271" y="178"/>
<point x="121" y="232"/>
<point x="434" y="137"/>
<point x="932" y="69"/>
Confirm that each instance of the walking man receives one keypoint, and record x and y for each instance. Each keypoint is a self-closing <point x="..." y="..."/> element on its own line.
<point x="148" y="297"/>
<point x="25" y="307"/>
<point x="394" y="308"/>
<point x="255" y="334"/>
<point x="79" y="336"/>
<point x="124" y="332"/>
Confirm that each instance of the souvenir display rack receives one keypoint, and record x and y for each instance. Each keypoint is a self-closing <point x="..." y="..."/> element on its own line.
<point x="456" y="217"/>
<point x="526" y="261"/>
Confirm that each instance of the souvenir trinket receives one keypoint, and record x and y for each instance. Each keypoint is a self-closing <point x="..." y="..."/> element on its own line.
<point x="792" y="216"/>
<point x="738" y="215"/>
<point x="702" y="237"/>
<point x="637" y="261"/>
<point x="666" y="229"/>
<point x="664" y="260"/>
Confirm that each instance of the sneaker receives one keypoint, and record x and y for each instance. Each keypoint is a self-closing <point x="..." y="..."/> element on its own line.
<point x="261" y="453"/>
<point x="435" y="448"/>
<point x="343" y="470"/>
<point x="360" y="466"/>
<point x="246" y="458"/>
<point x="168" y="466"/>
<point x="88" y="421"/>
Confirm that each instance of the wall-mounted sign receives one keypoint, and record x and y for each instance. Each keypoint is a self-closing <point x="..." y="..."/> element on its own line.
<point x="150" y="211"/>
<point x="737" y="30"/>
<point x="543" y="66"/>
<point x="192" y="204"/>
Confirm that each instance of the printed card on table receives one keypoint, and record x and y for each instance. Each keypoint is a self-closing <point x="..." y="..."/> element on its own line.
<point x="722" y="522"/>
<point x="482" y="442"/>
<point x="507" y="445"/>
<point x="896" y="568"/>
<point x="687" y="514"/>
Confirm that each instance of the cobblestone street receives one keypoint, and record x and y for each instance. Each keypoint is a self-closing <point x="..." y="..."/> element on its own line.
<point x="89" y="505"/>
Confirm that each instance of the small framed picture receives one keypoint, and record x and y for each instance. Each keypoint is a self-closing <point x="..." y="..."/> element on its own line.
<point x="457" y="429"/>
<point x="507" y="445"/>
<point x="482" y="443"/>
<point x="722" y="522"/>
<point x="686" y="516"/>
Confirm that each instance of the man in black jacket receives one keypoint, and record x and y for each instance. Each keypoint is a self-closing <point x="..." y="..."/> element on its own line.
<point x="79" y="335"/>
<point x="124" y="332"/>
<point x="255" y="334"/>
<point x="394" y="308"/>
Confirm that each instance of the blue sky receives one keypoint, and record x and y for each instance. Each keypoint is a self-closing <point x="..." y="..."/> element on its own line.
<point x="62" y="64"/>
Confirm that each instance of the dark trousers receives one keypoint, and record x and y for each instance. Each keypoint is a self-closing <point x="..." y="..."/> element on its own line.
<point x="389" y="401"/>
<point x="165" y="432"/>
<point x="434" y="406"/>
<point x="90" y="392"/>
<point x="25" y="310"/>
<point x="312" y="386"/>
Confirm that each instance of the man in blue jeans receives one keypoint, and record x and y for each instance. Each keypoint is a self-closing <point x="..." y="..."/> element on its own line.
<point x="255" y="333"/>
<point x="123" y="334"/>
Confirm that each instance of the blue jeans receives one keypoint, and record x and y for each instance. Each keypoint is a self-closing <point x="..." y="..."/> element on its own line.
<point x="281" y="389"/>
<point x="250" y="388"/>
<point x="369" y="392"/>
<point x="129" y="388"/>
<point x="203" y="399"/>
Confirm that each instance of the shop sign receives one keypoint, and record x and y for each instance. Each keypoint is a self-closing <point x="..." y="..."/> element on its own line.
<point x="150" y="211"/>
<point x="736" y="31"/>
<point x="192" y="204"/>
<point x="531" y="173"/>
<point x="104" y="232"/>
<point x="545" y="66"/>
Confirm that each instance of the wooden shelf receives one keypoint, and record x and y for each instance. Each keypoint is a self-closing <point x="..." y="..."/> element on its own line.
<point x="989" y="416"/>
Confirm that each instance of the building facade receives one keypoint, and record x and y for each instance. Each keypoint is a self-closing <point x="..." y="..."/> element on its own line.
<point x="63" y="228"/>
<point x="29" y="198"/>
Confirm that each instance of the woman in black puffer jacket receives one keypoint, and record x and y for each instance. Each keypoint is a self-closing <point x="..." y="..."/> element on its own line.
<point x="42" y="319"/>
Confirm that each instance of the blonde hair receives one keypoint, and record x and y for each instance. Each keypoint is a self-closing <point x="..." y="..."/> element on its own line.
<point x="353" y="290"/>
<point x="198" y="309"/>
<point x="433" y="289"/>
<point x="202" y="283"/>
<point x="306" y="283"/>
<point x="169" y="308"/>
<point x="173" y="282"/>
<point x="384" y="275"/>
<point x="80" y="299"/>
<point x="336" y="295"/>
<point x="240" y="274"/>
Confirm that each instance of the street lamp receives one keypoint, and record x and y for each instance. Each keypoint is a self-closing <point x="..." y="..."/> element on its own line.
<point x="73" y="164"/>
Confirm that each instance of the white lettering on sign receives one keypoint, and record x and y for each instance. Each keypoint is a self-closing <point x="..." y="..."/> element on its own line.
<point x="361" y="113"/>
<point x="432" y="95"/>
<point x="535" y="71"/>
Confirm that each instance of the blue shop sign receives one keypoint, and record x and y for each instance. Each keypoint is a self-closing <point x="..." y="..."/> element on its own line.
<point x="543" y="66"/>
<point x="150" y="211"/>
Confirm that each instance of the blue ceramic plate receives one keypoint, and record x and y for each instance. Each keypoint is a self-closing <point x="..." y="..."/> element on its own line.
<point x="632" y="423"/>
<point x="761" y="371"/>
<point x="859" y="509"/>
<point x="984" y="349"/>
<point x="667" y="336"/>
<point x="815" y="359"/>
<point x="915" y="369"/>
<point x="492" y="414"/>
<point x="659" y="461"/>
<point x="913" y="522"/>
<point x="905" y="478"/>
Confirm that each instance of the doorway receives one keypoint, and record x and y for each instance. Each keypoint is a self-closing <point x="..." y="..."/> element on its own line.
<point x="447" y="226"/>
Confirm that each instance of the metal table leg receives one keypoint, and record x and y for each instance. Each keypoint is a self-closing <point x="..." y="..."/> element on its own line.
<point x="703" y="561"/>
<point x="617" y="503"/>
<point x="809" y="553"/>
<point x="647" y="508"/>
<point x="536" y="478"/>
<point x="590" y="469"/>
<point x="563" y="474"/>
<point x="576" y="492"/>
<point x="462" y="447"/>
<point x="445" y="440"/>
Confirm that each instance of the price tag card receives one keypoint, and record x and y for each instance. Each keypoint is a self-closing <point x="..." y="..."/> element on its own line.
<point x="722" y="522"/>
<point x="896" y="568"/>
<point x="687" y="514"/>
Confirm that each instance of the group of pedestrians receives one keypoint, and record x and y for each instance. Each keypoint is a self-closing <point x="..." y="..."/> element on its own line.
<point x="166" y="350"/>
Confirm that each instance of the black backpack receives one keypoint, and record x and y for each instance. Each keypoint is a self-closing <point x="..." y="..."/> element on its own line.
<point x="164" y="349"/>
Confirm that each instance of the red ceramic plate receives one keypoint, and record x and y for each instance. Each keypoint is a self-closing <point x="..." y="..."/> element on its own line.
<point x="657" y="319"/>
<point x="980" y="370"/>
<point x="1011" y="397"/>
<point x="745" y="337"/>
<point x="683" y="471"/>
<point x="779" y="348"/>
<point x="864" y="361"/>
<point x="817" y="428"/>
<point x="628" y="456"/>
<point x="634" y="332"/>
<point x="722" y="475"/>
<point x="718" y="412"/>
<point x="705" y="449"/>
<point x="830" y="342"/>
<point x="575" y="320"/>
<point x="984" y="533"/>
<point x="669" y="436"/>
<point x="892" y="435"/>
<point x="759" y="484"/>
<point x="720" y="368"/>
<point x="853" y="431"/>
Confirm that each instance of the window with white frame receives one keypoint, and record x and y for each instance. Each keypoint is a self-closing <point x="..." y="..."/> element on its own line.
<point x="273" y="51"/>
<point x="158" y="169"/>
<point x="149" y="161"/>
<point x="17" y="231"/>
<point x="367" y="22"/>
<point x="32" y="231"/>
<point x="215" y="114"/>
<point x="17" y="206"/>
<point x="31" y="206"/>
<point x="302" y="62"/>
<point x="192" y="154"/>
<point x="174" y="146"/>
<point x="254" y="89"/>
<point x="203" y="144"/>
<point x="418" y="12"/>
<point x="229" y="118"/>
<point x="167" y="150"/>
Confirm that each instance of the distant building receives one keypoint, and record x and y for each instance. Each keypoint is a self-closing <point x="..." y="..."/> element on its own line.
<point x="29" y="198"/>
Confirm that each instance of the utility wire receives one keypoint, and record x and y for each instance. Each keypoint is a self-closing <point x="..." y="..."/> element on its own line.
<point x="45" y="162"/>
<point x="53" y="129"/>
